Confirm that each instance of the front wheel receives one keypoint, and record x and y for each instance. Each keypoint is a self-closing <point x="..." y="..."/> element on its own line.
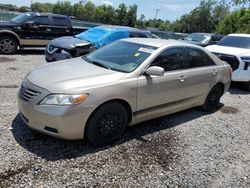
<point x="213" y="99"/>
<point x="107" y="124"/>
<point x="8" y="45"/>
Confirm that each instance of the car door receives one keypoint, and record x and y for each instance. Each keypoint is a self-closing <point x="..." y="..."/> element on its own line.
<point x="35" y="31"/>
<point x="59" y="28"/>
<point x="160" y="94"/>
<point x="202" y="74"/>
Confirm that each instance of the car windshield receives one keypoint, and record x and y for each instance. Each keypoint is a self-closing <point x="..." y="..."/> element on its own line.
<point x="22" y="18"/>
<point x="197" y="37"/>
<point x="93" y="34"/>
<point x="235" y="41"/>
<point x="121" y="56"/>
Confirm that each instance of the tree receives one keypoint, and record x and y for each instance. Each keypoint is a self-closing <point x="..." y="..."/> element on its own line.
<point x="237" y="22"/>
<point x="131" y="16"/>
<point x="121" y="14"/>
<point x="62" y="7"/>
<point x="24" y="9"/>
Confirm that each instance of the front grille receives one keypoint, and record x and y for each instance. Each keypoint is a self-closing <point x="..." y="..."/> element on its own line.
<point x="28" y="94"/>
<point x="230" y="59"/>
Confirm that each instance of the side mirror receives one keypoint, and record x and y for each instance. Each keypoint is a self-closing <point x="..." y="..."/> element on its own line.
<point x="155" y="71"/>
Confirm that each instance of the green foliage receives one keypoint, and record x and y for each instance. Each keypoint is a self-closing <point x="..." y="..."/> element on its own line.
<point x="24" y="9"/>
<point x="203" y="18"/>
<point x="42" y="7"/>
<point x="209" y="16"/>
<point x="237" y="22"/>
<point x="62" y="7"/>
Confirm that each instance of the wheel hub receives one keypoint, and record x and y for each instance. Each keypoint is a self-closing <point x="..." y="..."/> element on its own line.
<point x="7" y="45"/>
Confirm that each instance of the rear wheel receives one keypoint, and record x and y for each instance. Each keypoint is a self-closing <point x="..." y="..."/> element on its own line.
<point x="107" y="124"/>
<point x="8" y="45"/>
<point x="213" y="99"/>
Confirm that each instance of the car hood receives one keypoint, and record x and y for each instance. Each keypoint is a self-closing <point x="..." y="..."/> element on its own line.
<point x="69" y="42"/>
<point x="71" y="76"/>
<point x="7" y="24"/>
<point x="228" y="50"/>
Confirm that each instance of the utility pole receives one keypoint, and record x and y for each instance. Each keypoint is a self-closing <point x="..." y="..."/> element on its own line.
<point x="156" y="14"/>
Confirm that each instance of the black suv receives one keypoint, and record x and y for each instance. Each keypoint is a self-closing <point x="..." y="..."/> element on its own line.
<point x="34" y="29"/>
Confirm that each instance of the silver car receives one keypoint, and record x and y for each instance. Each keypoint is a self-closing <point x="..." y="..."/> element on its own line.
<point x="127" y="82"/>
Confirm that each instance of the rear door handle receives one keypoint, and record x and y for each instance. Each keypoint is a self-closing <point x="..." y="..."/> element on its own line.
<point x="48" y="29"/>
<point x="214" y="72"/>
<point x="182" y="78"/>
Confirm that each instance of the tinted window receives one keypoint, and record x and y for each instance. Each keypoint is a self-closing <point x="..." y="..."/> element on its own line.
<point x="21" y="18"/>
<point x="41" y="20"/>
<point x="58" y="21"/>
<point x="137" y="35"/>
<point x="235" y="41"/>
<point x="171" y="59"/>
<point x="198" y="58"/>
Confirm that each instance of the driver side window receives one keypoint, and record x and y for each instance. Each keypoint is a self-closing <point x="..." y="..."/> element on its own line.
<point x="171" y="59"/>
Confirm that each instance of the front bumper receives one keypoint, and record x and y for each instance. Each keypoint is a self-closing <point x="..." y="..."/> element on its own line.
<point x="66" y="122"/>
<point x="242" y="74"/>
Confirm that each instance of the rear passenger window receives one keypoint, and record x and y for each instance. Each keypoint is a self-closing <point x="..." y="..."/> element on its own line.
<point x="171" y="59"/>
<point x="41" y="20"/>
<point x="59" y="21"/>
<point x="198" y="58"/>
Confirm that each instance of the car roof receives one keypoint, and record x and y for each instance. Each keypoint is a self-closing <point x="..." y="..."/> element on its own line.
<point x="117" y="27"/>
<point x="239" y="35"/>
<point x="158" y="42"/>
<point x="46" y="14"/>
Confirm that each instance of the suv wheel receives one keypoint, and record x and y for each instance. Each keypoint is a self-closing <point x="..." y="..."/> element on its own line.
<point x="8" y="45"/>
<point x="213" y="99"/>
<point x="107" y="124"/>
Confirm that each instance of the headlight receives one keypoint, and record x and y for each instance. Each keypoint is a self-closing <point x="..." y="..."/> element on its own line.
<point x="64" y="99"/>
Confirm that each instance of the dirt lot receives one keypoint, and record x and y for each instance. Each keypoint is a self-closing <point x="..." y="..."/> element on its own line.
<point x="188" y="149"/>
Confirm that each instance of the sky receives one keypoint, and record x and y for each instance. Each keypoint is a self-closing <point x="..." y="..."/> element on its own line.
<point x="168" y="9"/>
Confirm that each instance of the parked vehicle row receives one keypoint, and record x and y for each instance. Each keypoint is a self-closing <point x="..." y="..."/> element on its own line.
<point x="34" y="29"/>
<point x="87" y="41"/>
<point x="121" y="84"/>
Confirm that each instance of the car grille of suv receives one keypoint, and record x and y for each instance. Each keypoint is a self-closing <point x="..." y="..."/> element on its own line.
<point x="28" y="94"/>
<point x="230" y="59"/>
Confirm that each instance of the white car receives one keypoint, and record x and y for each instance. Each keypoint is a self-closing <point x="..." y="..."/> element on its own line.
<point x="235" y="50"/>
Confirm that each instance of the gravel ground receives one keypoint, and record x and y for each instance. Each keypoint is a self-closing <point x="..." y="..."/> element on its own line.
<point x="187" y="149"/>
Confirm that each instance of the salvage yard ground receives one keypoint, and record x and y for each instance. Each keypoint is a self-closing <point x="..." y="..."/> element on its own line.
<point x="187" y="149"/>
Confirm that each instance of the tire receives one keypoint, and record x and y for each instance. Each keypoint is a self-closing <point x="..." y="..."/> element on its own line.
<point x="213" y="99"/>
<point x="107" y="124"/>
<point x="8" y="45"/>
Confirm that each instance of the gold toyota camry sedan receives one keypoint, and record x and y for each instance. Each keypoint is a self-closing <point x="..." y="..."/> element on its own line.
<point x="129" y="81"/>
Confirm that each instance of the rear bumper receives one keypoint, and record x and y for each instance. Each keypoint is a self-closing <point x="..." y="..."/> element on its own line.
<point x="66" y="122"/>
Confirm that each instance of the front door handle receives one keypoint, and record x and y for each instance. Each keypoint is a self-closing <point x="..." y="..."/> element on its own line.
<point x="48" y="29"/>
<point x="182" y="78"/>
<point x="214" y="72"/>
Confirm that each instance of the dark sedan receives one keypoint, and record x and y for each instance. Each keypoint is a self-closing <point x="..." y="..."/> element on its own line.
<point x="87" y="41"/>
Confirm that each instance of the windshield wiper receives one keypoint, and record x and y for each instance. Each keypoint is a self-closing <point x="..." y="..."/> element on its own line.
<point x="101" y="65"/>
<point x="97" y="63"/>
